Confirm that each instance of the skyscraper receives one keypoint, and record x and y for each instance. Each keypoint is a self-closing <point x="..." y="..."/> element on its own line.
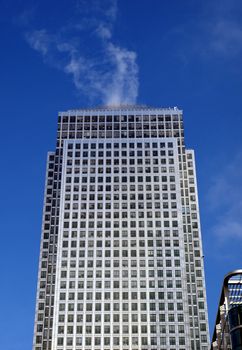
<point x="121" y="262"/>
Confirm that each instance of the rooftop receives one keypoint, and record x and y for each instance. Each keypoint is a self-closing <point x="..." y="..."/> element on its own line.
<point x="126" y="108"/>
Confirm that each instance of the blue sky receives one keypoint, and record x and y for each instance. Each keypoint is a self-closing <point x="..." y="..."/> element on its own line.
<point x="67" y="54"/>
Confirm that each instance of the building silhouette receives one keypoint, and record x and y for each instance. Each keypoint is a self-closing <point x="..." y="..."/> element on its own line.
<point x="121" y="261"/>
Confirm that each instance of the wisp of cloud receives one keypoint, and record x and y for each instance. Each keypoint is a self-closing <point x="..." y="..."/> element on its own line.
<point x="224" y="201"/>
<point x="101" y="70"/>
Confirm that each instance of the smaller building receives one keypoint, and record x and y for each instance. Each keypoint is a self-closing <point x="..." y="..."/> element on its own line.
<point x="228" y="327"/>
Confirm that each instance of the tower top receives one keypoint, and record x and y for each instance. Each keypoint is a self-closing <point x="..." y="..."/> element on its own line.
<point x="124" y="108"/>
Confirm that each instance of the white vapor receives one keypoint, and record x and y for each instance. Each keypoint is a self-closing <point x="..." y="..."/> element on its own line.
<point x="109" y="75"/>
<point x="226" y="37"/>
<point x="215" y="33"/>
<point x="225" y="201"/>
<point x="39" y="40"/>
<point x="123" y="87"/>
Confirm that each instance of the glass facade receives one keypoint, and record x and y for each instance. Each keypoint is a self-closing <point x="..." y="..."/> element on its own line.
<point x="121" y="261"/>
<point x="228" y="329"/>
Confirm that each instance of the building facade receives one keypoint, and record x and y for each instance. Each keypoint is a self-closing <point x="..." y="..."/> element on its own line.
<point x="121" y="262"/>
<point x="228" y="326"/>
